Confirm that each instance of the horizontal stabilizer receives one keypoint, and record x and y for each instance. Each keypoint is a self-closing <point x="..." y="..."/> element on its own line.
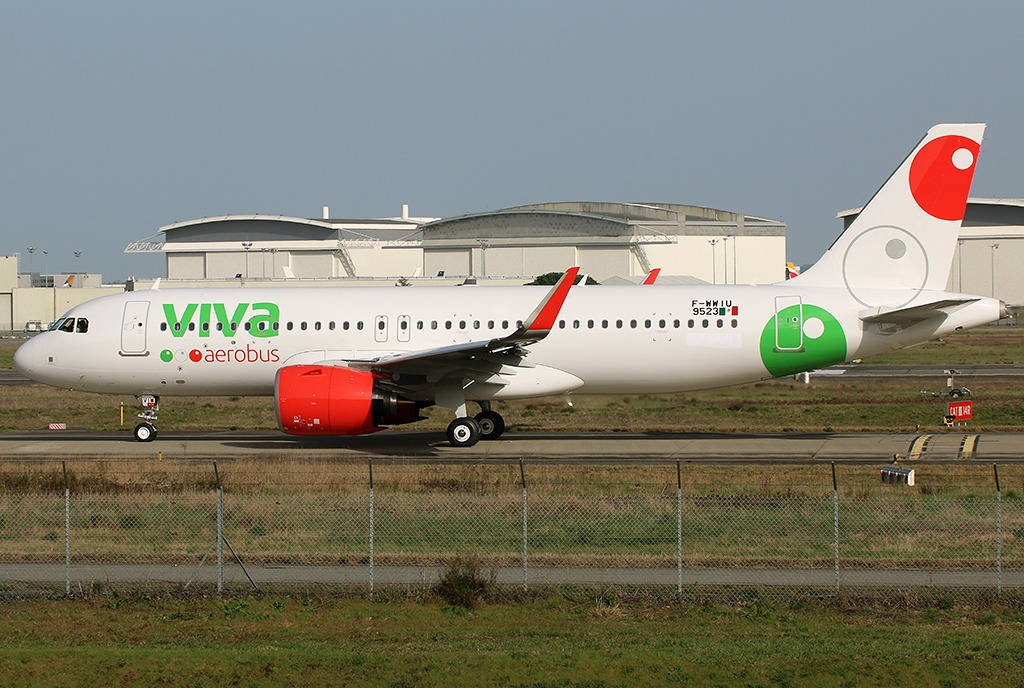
<point x="912" y="314"/>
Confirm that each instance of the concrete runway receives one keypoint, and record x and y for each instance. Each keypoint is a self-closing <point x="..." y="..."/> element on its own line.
<point x="613" y="448"/>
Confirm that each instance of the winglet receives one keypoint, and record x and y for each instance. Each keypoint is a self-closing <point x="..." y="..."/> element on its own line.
<point x="652" y="276"/>
<point x="543" y="317"/>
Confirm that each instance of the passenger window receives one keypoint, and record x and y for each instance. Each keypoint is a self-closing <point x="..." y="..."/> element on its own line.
<point x="433" y="324"/>
<point x="330" y="326"/>
<point x="206" y="327"/>
<point x="632" y="323"/>
<point x="519" y="323"/>
<point x="720" y="322"/>
<point x="234" y="326"/>
<point x="359" y="324"/>
<point x="68" y="325"/>
<point x="419" y="324"/>
<point x="735" y="323"/>
<point x="220" y="326"/>
<point x="490" y="324"/>
<point x="447" y="324"/>
<point x="83" y="325"/>
<point x="661" y="324"/>
<point x="344" y="325"/>
<point x="316" y="325"/>
<point x="476" y="324"/>
<point x="590" y="324"/>
<point x="288" y="326"/>
<point x="618" y="323"/>
<point x="163" y="327"/>
<point x="689" y="323"/>
<point x="575" y="324"/>
<point x="647" y="323"/>
<point x="462" y="324"/>
<point x="675" y="324"/>
<point x="277" y="326"/>
<point x="380" y="325"/>
<point x="561" y="324"/>
<point x="177" y="327"/>
<point x="402" y="325"/>
<point x="504" y="324"/>
<point x="604" y="324"/>
<point x="302" y="325"/>
<point x="192" y="327"/>
<point x="704" y="323"/>
<point x="262" y="325"/>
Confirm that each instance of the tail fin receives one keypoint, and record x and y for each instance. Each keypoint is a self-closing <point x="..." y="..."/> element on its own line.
<point x="903" y="241"/>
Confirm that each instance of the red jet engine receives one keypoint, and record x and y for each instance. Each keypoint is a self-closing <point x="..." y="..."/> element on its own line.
<point x="333" y="400"/>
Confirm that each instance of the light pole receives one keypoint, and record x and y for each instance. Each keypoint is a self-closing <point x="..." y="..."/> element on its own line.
<point x="246" y="245"/>
<point x="31" y="252"/>
<point x="960" y="265"/>
<point x="714" y="267"/>
<point x="78" y="265"/>
<point x="992" y="268"/>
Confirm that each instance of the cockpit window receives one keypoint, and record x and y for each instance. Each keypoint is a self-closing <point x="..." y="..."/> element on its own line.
<point x="82" y="325"/>
<point x="67" y="326"/>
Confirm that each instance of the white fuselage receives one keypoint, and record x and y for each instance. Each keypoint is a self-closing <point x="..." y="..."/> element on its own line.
<point x="606" y="339"/>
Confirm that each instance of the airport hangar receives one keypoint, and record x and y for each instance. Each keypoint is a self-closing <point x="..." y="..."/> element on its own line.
<point x="611" y="242"/>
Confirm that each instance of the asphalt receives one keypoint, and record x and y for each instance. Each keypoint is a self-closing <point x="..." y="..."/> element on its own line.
<point x="953" y="446"/>
<point x="86" y="574"/>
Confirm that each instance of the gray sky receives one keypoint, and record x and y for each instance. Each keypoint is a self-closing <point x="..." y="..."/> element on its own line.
<point x="119" y="117"/>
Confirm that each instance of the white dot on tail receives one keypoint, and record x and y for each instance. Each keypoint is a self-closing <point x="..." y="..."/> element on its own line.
<point x="962" y="158"/>
<point x="814" y="328"/>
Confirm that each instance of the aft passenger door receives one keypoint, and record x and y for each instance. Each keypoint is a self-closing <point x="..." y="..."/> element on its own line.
<point x="133" y="328"/>
<point x="789" y="323"/>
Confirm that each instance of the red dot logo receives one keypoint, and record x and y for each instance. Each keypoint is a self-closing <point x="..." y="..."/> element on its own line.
<point x="196" y="355"/>
<point x="941" y="174"/>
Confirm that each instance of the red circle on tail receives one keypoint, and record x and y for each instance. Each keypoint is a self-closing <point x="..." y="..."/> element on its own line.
<point x="196" y="355"/>
<point x="941" y="174"/>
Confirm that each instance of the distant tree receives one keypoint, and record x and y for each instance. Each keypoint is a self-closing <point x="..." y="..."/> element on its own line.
<point x="550" y="278"/>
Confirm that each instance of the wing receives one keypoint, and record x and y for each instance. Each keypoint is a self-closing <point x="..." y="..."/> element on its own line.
<point x="484" y="360"/>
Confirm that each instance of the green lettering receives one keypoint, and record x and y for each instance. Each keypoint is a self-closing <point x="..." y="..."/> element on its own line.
<point x="204" y="320"/>
<point x="177" y="326"/>
<point x="272" y="315"/>
<point x="236" y="319"/>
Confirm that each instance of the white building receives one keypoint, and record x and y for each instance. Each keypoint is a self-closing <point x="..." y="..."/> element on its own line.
<point x="623" y="240"/>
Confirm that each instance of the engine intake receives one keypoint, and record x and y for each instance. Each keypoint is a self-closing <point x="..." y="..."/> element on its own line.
<point x="333" y="400"/>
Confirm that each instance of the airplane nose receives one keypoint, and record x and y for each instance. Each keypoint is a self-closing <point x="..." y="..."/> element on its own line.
<point x="24" y="358"/>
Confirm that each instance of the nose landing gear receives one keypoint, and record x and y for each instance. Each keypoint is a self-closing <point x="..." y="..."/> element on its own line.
<point x="146" y="430"/>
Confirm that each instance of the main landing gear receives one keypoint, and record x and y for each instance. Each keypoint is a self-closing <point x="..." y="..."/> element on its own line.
<point x="146" y="430"/>
<point x="486" y="425"/>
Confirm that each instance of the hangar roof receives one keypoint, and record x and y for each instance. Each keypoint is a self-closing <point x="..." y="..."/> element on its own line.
<point x="575" y="218"/>
<point x="284" y="228"/>
<point x="981" y="212"/>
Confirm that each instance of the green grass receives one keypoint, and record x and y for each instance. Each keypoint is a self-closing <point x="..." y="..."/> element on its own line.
<point x="548" y="642"/>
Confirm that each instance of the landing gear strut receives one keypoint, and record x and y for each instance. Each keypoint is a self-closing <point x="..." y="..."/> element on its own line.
<point x="146" y="430"/>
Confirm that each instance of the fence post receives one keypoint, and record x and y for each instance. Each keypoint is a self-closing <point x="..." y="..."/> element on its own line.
<point x="679" y="532"/>
<point x="220" y="530"/>
<point x="67" y="531"/>
<point x="522" y="476"/>
<point x="835" y="526"/>
<point x="371" y="528"/>
<point x="999" y="533"/>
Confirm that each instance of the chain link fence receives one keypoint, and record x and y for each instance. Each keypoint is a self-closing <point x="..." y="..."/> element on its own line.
<point x="700" y="532"/>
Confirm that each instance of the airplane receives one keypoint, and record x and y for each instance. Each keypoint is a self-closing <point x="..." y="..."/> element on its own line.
<point x="351" y="360"/>
<point x="651" y="277"/>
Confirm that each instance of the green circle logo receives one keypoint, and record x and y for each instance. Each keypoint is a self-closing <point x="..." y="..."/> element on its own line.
<point x="166" y="356"/>
<point x="802" y="337"/>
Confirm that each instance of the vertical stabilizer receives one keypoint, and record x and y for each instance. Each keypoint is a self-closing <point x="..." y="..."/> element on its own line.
<point x="903" y="241"/>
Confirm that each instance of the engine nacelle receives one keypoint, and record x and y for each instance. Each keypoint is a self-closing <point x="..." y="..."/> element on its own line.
<point x="332" y="400"/>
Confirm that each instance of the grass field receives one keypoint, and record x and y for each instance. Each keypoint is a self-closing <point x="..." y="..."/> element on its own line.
<point x="592" y="640"/>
